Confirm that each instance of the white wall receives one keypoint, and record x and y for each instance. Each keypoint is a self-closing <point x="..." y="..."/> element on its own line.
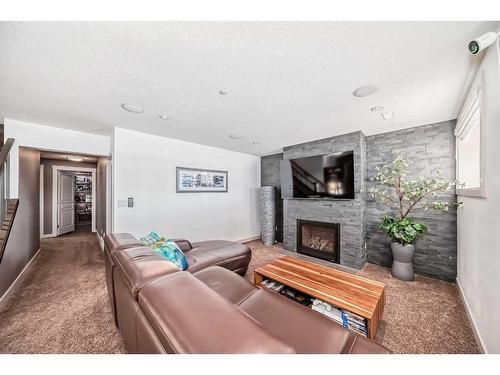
<point x="49" y="138"/>
<point x="144" y="167"/>
<point x="479" y="226"/>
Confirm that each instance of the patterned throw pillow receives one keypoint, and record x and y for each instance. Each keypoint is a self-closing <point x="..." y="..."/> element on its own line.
<point x="166" y="248"/>
<point x="171" y="251"/>
<point x="152" y="240"/>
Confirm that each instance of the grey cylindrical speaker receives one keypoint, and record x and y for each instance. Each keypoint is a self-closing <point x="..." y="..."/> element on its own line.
<point x="267" y="197"/>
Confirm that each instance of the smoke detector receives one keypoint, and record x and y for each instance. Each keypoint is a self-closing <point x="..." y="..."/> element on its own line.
<point x="132" y="108"/>
<point x="366" y="90"/>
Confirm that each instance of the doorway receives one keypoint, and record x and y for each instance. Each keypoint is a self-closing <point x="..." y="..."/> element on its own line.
<point x="72" y="194"/>
<point x="74" y="202"/>
<point x="65" y="203"/>
<point x="73" y="199"/>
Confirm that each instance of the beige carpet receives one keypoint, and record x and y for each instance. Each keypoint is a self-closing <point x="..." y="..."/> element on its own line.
<point x="424" y="316"/>
<point x="62" y="305"/>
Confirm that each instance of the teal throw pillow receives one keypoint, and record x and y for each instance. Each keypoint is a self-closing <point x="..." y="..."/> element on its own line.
<point x="171" y="251"/>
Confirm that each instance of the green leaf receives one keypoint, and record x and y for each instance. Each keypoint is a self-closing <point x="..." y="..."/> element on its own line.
<point x="402" y="231"/>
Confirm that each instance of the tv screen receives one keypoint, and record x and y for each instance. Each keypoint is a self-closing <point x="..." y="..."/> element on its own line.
<point x="323" y="176"/>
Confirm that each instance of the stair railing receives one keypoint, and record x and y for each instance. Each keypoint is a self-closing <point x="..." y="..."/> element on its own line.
<point x="5" y="177"/>
<point x="5" y="192"/>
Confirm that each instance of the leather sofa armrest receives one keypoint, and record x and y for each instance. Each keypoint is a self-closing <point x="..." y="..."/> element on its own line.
<point x="183" y="244"/>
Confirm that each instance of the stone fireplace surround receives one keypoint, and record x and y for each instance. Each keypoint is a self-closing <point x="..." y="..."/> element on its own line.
<point x="349" y="214"/>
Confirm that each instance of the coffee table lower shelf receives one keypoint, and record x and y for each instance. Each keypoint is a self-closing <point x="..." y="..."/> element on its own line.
<point x="352" y="293"/>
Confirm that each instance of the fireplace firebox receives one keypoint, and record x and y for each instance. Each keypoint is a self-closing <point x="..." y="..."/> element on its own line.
<point x="318" y="239"/>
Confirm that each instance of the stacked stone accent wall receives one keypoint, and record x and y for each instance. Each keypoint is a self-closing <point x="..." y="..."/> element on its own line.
<point x="429" y="147"/>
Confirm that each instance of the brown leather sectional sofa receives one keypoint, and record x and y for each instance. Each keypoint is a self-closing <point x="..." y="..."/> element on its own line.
<point x="200" y="255"/>
<point x="211" y="309"/>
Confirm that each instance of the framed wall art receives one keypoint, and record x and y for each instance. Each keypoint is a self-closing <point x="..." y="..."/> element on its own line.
<point x="196" y="180"/>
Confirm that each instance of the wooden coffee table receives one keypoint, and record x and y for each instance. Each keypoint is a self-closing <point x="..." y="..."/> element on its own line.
<point x="353" y="293"/>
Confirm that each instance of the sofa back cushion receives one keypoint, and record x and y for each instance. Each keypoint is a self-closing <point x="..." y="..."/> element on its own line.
<point x="119" y="241"/>
<point x="140" y="265"/>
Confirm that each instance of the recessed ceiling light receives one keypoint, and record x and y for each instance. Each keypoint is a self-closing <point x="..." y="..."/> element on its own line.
<point x="377" y="108"/>
<point x="387" y="115"/>
<point x="365" y="90"/>
<point x="256" y="142"/>
<point x="164" y="116"/>
<point x="235" y="136"/>
<point x="75" y="158"/>
<point x="132" y="108"/>
<point x="223" y="92"/>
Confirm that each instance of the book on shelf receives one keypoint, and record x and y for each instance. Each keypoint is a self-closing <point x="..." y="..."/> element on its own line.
<point x="270" y="284"/>
<point x="287" y="292"/>
<point x="347" y="319"/>
<point x="328" y="310"/>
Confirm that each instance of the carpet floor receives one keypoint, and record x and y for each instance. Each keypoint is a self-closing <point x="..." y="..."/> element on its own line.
<point x="62" y="306"/>
<point x="426" y="316"/>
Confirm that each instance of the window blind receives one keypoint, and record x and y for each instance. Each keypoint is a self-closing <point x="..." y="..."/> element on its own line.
<point x="470" y="116"/>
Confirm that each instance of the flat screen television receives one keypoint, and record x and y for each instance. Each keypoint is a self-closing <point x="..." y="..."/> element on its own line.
<point x="322" y="176"/>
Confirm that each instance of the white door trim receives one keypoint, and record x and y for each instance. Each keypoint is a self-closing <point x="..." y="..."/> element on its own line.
<point x="55" y="170"/>
<point x="109" y="195"/>
<point x="42" y="204"/>
<point x="41" y="200"/>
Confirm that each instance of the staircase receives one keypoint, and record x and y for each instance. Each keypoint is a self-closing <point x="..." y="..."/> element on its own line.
<point x="12" y="205"/>
<point x="8" y="207"/>
<point x="304" y="182"/>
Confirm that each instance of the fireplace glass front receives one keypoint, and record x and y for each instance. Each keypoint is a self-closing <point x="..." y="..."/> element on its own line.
<point x="319" y="239"/>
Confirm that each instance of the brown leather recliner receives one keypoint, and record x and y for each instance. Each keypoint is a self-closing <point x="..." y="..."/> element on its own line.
<point x="231" y="255"/>
<point x="163" y="310"/>
<point x="305" y="330"/>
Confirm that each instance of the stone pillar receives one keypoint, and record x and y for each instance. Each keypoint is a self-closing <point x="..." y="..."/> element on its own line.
<point x="267" y="197"/>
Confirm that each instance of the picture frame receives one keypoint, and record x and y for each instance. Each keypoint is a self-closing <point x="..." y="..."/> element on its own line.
<point x="198" y="180"/>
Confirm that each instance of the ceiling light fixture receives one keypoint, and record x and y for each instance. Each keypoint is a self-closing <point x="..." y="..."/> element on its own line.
<point x="256" y="142"/>
<point x="164" y="116"/>
<point x="75" y="158"/>
<point x="387" y="115"/>
<point x="377" y="108"/>
<point x="366" y="90"/>
<point x="235" y="136"/>
<point x="223" y="92"/>
<point x="132" y="108"/>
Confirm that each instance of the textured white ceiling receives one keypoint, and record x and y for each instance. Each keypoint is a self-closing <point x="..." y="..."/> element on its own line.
<point x="288" y="82"/>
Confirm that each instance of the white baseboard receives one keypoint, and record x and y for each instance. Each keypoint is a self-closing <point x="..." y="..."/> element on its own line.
<point x="50" y="235"/>
<point x="252" y="238"/>
<point x="12" y="287"/>
<point x="473" y="324"/>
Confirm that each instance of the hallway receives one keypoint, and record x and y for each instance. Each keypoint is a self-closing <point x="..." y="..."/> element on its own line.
<point x="62" y="305"/>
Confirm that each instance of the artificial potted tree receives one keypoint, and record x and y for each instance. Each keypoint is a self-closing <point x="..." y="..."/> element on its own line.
<point x="407" y="196"/>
